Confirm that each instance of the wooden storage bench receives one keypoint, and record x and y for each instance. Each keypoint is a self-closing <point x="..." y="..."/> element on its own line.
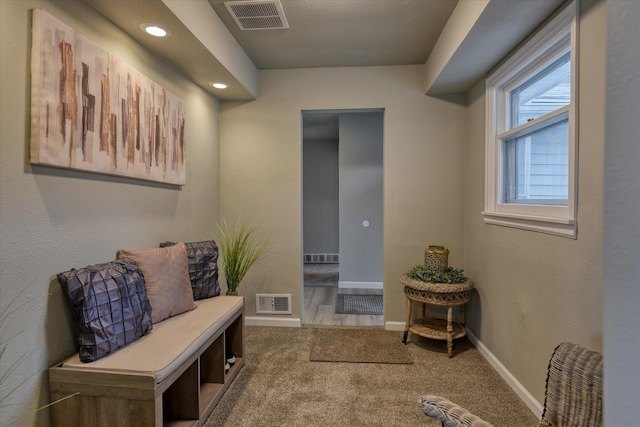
<point x="173" y="376"/>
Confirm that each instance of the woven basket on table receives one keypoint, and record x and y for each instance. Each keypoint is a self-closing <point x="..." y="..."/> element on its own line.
<point x="444" y="294"/>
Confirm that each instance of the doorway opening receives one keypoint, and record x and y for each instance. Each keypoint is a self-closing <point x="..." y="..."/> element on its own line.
<point x="342" y="200"/>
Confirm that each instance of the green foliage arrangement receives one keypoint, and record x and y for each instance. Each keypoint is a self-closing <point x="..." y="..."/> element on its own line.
<point x="449" y="275"/>
<point x="240" y="248"/>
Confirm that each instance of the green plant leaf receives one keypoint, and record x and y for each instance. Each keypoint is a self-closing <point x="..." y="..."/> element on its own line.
<point x="240" y="248"/>
<point x="449" y="275"/>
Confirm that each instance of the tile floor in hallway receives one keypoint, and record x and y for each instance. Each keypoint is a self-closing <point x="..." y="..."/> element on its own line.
<point x="320" y="290"/>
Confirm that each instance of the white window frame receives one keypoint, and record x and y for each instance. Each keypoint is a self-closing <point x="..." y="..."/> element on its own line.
<point x="558" y="36"/>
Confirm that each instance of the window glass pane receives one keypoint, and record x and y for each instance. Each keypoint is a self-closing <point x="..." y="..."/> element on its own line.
<point x="536" y="166"/>
<point x="544" y="92"/>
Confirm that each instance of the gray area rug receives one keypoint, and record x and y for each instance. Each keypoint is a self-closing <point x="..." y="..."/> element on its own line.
<point x="279" y="386"/>
<point x="372" y="345"/>
<point x="358" y="304"/>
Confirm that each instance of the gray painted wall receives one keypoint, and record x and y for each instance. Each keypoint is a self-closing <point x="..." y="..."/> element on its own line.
<point x="533" y="290"/>
<point x="361" y="186"/>
<point x="261" y="169"/>
<point x="52" y="220"/>
<point x="622" y="211"/>
<point x="320" y="194"/>
<point x="536" y="290"/>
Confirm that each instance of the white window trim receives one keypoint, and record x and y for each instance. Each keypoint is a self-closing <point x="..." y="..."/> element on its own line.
<point x="548" y="42"/>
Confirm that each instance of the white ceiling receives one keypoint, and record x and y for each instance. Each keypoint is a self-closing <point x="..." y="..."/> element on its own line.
<point x="345" y="33"/>
<point x="330" y="33"/>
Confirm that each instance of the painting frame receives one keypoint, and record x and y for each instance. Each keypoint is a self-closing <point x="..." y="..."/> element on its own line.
<point x="92" y="112"/>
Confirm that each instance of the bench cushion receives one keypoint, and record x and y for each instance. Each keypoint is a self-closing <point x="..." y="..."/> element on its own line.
<point x="170" y="343"/>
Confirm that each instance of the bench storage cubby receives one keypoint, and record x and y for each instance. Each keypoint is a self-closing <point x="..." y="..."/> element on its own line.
<point x="173" y="376"/>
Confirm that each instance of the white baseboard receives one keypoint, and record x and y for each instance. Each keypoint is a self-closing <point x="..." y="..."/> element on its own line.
<point x="360" y="285"/>
<point x="522" y="392"/>
<point x="394" y="326"/>
<point x="285" y="322"/>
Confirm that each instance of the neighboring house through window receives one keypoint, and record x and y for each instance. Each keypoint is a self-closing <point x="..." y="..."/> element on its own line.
<point x="531" y="163"/>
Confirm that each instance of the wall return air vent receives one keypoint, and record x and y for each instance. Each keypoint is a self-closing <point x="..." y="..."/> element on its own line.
<point x="273" y="303"/>
<point x="321" y="258"/>
<point x="258" y="14"/>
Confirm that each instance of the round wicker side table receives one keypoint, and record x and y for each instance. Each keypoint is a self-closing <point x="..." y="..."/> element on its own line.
<point x="443" y="294"/>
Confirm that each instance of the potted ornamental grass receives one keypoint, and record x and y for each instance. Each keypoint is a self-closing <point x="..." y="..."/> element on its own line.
<point x="240" y="248"/>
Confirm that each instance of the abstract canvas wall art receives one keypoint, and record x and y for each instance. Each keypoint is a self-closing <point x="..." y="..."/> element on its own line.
<point x="92" y="112"/>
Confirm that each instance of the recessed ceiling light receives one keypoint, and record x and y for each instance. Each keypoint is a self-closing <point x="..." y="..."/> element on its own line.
<point x="155" y="30"/>
<point x="219" y="85"/>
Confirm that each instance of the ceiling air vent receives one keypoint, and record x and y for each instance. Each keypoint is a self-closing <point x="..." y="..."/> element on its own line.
<point x="273" y="303"/>
<point x="258" y="15"/>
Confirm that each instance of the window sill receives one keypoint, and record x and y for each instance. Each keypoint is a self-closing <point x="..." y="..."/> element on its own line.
<point x="563" y="227"/>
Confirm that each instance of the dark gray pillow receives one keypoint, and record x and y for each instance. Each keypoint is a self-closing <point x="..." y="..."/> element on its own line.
<point x="203" y="268"/>
<point x="109" y="304"/>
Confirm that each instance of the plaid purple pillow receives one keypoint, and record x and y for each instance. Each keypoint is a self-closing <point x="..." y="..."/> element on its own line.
<point x="109" y="304"/>
<point x="203" y="268"/>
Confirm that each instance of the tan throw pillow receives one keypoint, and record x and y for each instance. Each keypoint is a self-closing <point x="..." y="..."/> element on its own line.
<point x="166" y="275"/>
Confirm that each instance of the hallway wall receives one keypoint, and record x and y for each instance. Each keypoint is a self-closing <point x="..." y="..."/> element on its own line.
<point x="621" y="287"/>
<point x="361" y="185"/>
<point x="535" y="290"/>
<point x="261" y="159"/>
<point x="320" y="193"/>
<point x="53" y="219"/>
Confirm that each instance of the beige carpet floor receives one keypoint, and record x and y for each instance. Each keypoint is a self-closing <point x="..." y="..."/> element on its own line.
<point x="371" y="345"/>
<point x="280" y="386"/>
